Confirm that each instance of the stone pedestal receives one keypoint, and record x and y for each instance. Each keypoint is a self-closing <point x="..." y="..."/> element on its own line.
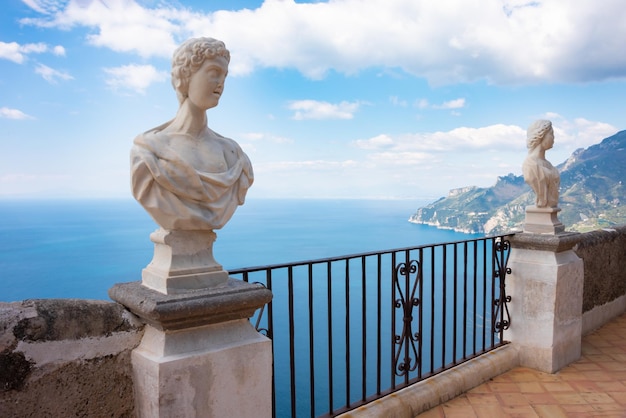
<point x="183" y="261"/>
<point x="200" y="356"/>
<point x="546" y="287"/>
<point x="542" y="221"/>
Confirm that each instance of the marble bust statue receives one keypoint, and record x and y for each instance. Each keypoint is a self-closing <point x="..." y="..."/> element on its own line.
<point x="186" y="176"/>
<point x="189" y="178"/>
<point x="542" y="177"/>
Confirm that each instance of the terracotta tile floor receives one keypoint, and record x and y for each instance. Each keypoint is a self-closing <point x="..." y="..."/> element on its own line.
<point x="594" y="386"/>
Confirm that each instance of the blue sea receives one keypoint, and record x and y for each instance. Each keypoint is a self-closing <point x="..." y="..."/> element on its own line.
<point x="80" y="248"/>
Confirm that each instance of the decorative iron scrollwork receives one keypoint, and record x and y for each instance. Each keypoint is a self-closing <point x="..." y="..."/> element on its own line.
<point x="501" y="316"/>
<point x="406" y="356"/>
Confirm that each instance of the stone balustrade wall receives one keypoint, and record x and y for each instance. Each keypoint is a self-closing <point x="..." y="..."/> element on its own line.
<point x="66" y="357"/>
<point x="604" y="256"/>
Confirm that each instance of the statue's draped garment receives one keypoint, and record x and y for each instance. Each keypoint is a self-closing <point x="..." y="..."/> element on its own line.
<point x="178" y="196"/>
<point x="544" y="179"/>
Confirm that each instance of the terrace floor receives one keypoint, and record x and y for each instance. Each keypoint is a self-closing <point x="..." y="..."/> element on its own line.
<point x="594" y="386"/>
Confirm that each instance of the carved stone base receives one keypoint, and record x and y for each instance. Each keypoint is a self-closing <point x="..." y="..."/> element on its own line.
<point x="213" y="371"/>
<point x="546" y="286"/>
<point x="183" y="261"/>
<point x="200" y="356"/>
<point x="542" y="221"/>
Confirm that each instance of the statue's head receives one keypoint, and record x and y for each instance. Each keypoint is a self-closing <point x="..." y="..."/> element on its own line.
<point x="189" y="57"/>
<point x="536" y="133"/>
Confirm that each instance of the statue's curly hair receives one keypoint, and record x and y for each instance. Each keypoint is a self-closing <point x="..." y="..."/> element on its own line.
<point x="536" y="131"/>
<point x="190" y="56"/>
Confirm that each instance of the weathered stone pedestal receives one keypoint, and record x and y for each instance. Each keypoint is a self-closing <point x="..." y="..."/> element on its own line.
<point x="182" y="262"/>
<point x="543" y="221"/>
<point x="200" y="356"/>
<point x="546" y="287"/>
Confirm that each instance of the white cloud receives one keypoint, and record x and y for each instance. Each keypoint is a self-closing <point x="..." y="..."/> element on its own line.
<point x="8" y="113"/>
<point x="379" y="141"/>
<point x="569" y="136"/>
<point x="449" y="105"/>
<point x="37" y="48"/>
<point x="445" y="41"/>
<point x="17" y="53"/>
<point x="312" y="109"/>
<point x="448" y="41"/>
<point x="134" y="77"/>
<point x="45" y="6"/>
<point x="422" y="104"/>
<point x="459" y="139"/>
<point x="120" y="25"/>
<point x="51" y="75"/>
<point x="59" y="51"/>
<point x="577" y="133"/>
<point x="452" y="104"/>
<point x="11" y="51"/>
<point x="472" y="156"/>
<point x="396" y="101"/>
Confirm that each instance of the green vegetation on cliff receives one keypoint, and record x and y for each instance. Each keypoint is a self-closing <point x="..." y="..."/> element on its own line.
<point x="592" y="195"/>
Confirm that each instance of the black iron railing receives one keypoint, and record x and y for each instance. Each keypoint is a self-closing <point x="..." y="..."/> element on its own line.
<point x="348" y="330"/>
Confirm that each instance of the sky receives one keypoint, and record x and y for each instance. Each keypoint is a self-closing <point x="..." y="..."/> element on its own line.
<point x="389" y="99"/>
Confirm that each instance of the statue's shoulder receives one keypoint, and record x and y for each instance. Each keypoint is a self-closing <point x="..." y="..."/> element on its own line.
<point x="228" y="142"/>
<point x="532" y="160"/>
<point x="152" y="139"/>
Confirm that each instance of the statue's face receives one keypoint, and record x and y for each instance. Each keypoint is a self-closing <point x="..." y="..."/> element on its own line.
<point x="207" y="83"/>
<point x="548" y="139"/>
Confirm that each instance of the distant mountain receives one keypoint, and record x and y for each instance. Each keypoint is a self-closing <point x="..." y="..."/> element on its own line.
<point x="593" y="195"/>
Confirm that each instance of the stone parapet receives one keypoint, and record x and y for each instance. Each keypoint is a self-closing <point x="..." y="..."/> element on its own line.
<point x="604" y="254"/>
<point x="66" y="357"/>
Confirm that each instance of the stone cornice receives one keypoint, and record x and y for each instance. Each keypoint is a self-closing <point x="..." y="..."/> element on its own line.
<point x="545" y="242"/>
<point x="233" y="300"/>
